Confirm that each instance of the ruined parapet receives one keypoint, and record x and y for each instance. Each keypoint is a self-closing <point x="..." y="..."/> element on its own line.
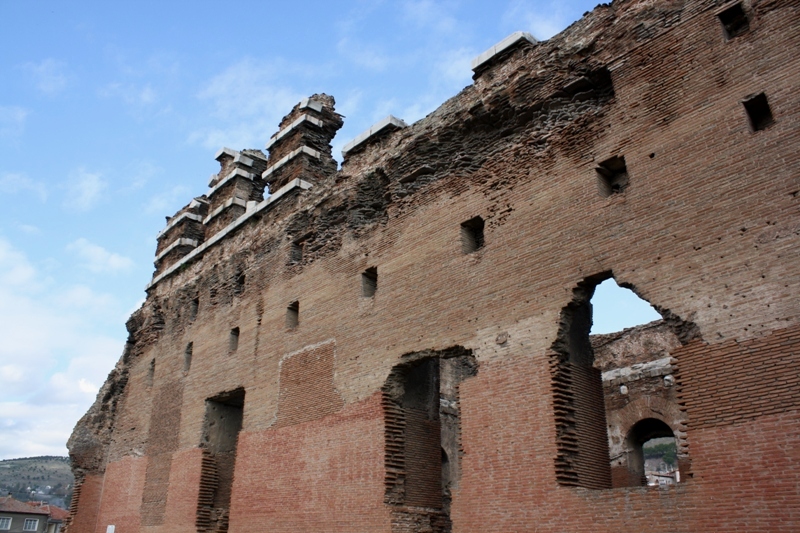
<point x="184" y="232"/>
<point x="237" y="183"/>
<point x="373" y="133"/>
<point x="301" y="149"/>
<point x="497" y="53"/>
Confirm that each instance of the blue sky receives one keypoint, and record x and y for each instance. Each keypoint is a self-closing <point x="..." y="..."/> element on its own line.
<point x="110" y="115"/>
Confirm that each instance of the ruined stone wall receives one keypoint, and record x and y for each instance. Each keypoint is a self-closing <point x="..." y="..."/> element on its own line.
<point x="701" y="221"/>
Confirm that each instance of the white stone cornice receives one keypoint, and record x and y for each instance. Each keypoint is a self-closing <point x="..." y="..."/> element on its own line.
<point x="217" y="237"/>
<point x="390" y="122"/>
<point x="228" y="203"/>
<point x="512" y="40"/>
<point x="308" y="103"/>
<point x="292" y="155"/>
<point x="291" y="127"/>
<point x="182" y="241"/>
<point x="236" y="172"/>
<point x="186" y="215"/>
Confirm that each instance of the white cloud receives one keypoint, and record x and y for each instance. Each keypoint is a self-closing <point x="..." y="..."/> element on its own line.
<point x="52" y="357"/>
<point x="167" y="202"/>
<point x="430" y="15"/>
<point x="542" y="22"/>
<point x="84" y="190"/>
<point x="12" y="183"/>
<point x="15" y="270"/>
<point x="249" y="99"/>
<point x="97" y="259"/>
<point x="49" y="75"/>
<point x="12" y="121"/>
<point x="364" y="55"/>
<point x="132" y="94"/>
<point x="29" y="229"/>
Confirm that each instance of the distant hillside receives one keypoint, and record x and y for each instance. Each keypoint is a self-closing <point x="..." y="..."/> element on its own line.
<point x="47" y="478"/>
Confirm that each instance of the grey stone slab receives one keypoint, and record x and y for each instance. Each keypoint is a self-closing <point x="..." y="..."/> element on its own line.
<point x="390" y="122"/>
<point x="512" y="40"/>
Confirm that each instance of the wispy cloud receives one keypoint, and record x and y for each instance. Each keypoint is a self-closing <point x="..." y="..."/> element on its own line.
<point x="51" y="359"/>
<point x="167" y="202"/>
<point x="97" y="259"/>
<point x="430" y="15"/>
<point x="12" y="121"/>
<point x="29" y="229"/>
<point x="368" y="56"/>
<point x="249" y="98"/>
<point x="132" y="94"/>
<point x="84" y="190"/>
<point x="542" y="22"/>
<point x="49" y="75"/>
<point x="13" y="183"/>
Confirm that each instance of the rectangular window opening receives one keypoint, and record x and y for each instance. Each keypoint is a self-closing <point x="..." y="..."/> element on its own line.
<point x="187" y="357"/>
<point x="151" y="372"/>
<point x="296" y="252"/>
<point x="233" y="340"/>
<point x="734" y="21"/>
<point x="31" y="524"/>
<point x="293" y="315"/>
<point x="758" y="112"/>
<point x="223" y="422"/>
<point x="472" y="235"/>
<point x="369" y="282"/>
<point x="612" y="176"/>
<point x="5" y="523"/>
<point x="238" y="287"/>
<point x="194" y="305"/>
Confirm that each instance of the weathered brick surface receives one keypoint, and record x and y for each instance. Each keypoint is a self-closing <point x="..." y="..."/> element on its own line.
<point x="706" y="230"/>
<point x="322" y="475"/>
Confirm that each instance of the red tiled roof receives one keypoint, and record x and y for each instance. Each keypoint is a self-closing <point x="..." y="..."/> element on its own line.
<point x="10" y="505"/>
<point x="56" y="513"/>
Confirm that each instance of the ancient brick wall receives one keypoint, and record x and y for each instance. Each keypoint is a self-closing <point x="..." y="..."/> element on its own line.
<point x="622" y="147"/>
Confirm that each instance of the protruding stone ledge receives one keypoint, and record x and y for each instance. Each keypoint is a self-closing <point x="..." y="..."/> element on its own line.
<point x="291" y="127"/>
<point x="659" y="367"/>
<point x="228" y="203"/>
<point x="512" y="40"/>
<point x="309" y="103"/>
<point x="176" y="220"/>
<point x="250" y="211"/>
<point x="389" y="123"/>
<point x="232" y="174"/>
<point x="182" y="241"/>
<point x="289" y="157"/>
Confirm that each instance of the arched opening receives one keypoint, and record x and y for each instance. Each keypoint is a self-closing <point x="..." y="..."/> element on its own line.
<point x="590" y="387"/>
<point x="615" y="308"/>
<point x="652" y="453"/>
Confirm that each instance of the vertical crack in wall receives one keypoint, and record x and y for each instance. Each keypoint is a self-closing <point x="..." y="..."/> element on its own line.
<point x="423" y="437"/>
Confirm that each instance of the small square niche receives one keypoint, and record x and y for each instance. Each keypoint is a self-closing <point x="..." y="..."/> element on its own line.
<point x="472" y="235"/>
<point x="296" y="252"/>
<point x="233" y="340"/>
<point x="293" y="315"/>
<point x="194" y="305"/>
<point x="734" y="21"/>
<point x="612" y="176"/>
<point x="369" y="282"/>
<point x="758" y="112"/>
